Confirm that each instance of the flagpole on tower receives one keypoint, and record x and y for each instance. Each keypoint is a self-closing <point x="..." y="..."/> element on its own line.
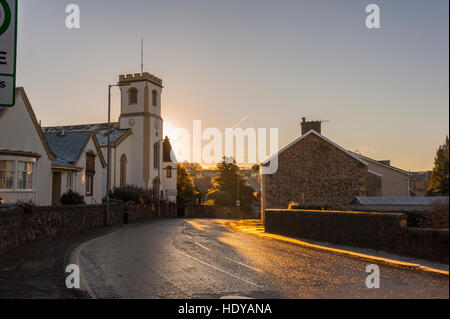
<point x="142" y="55"/>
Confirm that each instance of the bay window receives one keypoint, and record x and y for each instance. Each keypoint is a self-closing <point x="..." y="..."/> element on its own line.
<point x="16" y="174"/>
<point x="6" y="174"/>
<point x="24" y="175"/>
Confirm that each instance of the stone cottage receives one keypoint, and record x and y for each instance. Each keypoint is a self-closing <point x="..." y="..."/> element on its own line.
<point x="314" y="170"/>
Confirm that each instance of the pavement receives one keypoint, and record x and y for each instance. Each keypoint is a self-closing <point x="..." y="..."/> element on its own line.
<point x="36" y="270"/>
<point x="256" y="228"/>
<point x="206" y="258"/>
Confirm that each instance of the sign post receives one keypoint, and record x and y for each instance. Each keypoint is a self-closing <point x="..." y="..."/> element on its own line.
<point x="8" y="39"/>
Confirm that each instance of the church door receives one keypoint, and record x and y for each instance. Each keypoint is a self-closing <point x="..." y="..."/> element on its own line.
<point x="56" y="188"/>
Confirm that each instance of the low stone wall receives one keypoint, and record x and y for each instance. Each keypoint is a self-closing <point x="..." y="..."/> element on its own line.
<point x="216" y="212"/>
<point x="380" y="231"/>
<point x="420" y="216"/>
<point x="369" y="208"/>
<point x="139" y="213"/>
<point x="19" y="226"/>
<point x="431" y="244"/>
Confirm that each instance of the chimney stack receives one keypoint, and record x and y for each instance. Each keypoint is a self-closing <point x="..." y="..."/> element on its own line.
<point x="311" y="125"/>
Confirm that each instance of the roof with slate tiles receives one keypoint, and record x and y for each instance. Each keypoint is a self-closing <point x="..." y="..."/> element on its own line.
<point x="68" y="146"/>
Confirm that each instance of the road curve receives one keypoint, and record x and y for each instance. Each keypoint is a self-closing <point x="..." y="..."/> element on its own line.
<point x="200" y="258"/>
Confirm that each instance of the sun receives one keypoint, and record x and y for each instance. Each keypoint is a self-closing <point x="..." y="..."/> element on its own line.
<point x="168" y="130"/>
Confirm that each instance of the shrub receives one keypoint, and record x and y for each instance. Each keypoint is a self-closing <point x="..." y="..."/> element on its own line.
<point x="221" y="198"/>
<point x="72" y="198"/>
<point x="439" y="215"/>
<point x="209" y="202"/>
<point x="131" y="193"/>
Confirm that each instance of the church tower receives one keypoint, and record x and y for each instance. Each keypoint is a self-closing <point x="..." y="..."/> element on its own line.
<point x="140" y="111"/>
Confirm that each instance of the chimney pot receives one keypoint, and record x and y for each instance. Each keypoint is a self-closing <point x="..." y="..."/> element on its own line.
<point x="307" y="126"/>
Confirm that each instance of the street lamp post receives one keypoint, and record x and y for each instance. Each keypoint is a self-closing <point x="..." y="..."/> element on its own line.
<point x="159" y="175"/>
<point x="108" y="155"/>
<point x="238" y="202"/>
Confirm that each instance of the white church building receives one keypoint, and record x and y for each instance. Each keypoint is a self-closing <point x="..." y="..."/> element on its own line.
<point x="56" y="159"/>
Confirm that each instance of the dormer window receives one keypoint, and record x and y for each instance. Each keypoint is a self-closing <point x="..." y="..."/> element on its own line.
<point x="155" y="98"/>
<point x="132" y="96"/>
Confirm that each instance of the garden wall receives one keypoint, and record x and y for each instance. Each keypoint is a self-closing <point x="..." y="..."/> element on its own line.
<point x="24" y="225"/>
<point x="216" y="212"/>
<point x="380" y="231"/>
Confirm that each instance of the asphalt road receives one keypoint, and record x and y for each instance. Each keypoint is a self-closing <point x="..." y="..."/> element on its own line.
<point x="199" y="258"/>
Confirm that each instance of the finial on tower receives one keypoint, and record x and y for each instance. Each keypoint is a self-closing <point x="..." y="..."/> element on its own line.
<point x="142" y="55"/>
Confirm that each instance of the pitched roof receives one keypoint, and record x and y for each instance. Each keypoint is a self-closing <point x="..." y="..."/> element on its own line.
<point x="420" y="176"/>
<point x="115" y="137"/>
<point x="298" y="139"/>
<point x="395" y="201"/>
<point x="101" y="131"/>
<point x="381" y="163"/>
<point x="83" y="127"/>
<point x="167" y="150"/>
<point x="62" y="164"/>
<point x="68" y="146"/>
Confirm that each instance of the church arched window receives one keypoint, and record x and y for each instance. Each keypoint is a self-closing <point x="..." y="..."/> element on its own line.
<point x="132" y="96"/>
<point x="155" y="98"/>
<point x="156" y="155"/>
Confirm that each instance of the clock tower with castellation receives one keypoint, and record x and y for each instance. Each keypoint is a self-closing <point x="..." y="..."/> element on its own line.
<point x="140" y="111"/>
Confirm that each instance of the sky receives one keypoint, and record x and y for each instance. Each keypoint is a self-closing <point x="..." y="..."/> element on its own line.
<point x="383" y="91"/>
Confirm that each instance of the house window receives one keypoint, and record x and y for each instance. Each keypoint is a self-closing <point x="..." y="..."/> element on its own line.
<point x="89" y="184"/>
<point x="90" y="172"/>
<point x="169" y="171"/>
<point x="6" y="174"/>
<point x="155" y="98"/>
<point x="69" y="180"/>
<point x="24" y="175"/>
<point x="132" y="96"/>
<point x="156" y="155"/>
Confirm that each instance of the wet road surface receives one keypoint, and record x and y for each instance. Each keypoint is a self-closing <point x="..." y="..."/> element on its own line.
<point x="200" y="258"/>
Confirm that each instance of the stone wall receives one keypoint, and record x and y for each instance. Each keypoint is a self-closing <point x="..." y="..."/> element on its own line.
<point x="139" y="213"/>
<point x="19" y="226"/>
<point x="417" y="215"/>
<point x="380" y="231"/>
<point x="314" y="171"/>
<point x="216" y="212"/>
